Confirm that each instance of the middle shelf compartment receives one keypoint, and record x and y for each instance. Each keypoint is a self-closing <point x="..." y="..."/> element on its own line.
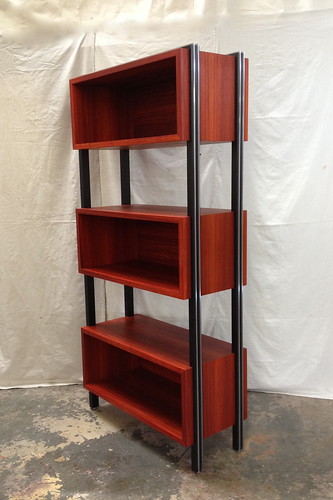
<point x="148" y="247"/>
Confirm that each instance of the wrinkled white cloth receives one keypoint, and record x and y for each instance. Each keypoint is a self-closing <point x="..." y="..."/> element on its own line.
<point x="288" y="181"/>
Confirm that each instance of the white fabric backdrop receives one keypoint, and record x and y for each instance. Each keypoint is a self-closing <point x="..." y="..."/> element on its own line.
<point x="288" y="180"/>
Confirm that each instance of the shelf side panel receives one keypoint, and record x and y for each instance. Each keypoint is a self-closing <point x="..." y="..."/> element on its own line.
<point x="217" y="252"/>
<point x="217" y="80"/>
<point x="219" y="394"/>
<point x="218" y="94"/>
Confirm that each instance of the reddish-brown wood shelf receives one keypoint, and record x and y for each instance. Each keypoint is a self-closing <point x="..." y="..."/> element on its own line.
<point x="146" y="102"/>
<point x="137" y="363"/>
<point x="141" y="365"/>
<point x="148" y="247"/>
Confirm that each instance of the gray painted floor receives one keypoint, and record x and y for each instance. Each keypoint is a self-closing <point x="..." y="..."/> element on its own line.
<point x="54" y="447"/>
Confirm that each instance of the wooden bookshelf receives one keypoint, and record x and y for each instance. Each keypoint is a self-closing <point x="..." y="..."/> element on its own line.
<point x="146" y="367"/>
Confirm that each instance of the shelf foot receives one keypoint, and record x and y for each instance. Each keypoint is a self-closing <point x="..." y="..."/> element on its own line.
<point x="93" y="401"/>
<point x="237" y="438"/>
<point x="196" y="459"/>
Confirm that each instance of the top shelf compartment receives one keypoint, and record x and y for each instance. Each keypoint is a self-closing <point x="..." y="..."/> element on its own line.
<point x="146" y="102"/>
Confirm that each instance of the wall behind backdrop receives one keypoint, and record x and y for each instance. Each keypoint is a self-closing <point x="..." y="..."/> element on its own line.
<point x="288" y="313"/>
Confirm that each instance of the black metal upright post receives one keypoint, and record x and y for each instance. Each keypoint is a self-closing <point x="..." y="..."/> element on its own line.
<point x="193" y="203"/>
<point x="237" y="295"/>
<point x="89" y="286"/>
<point x="125" y="184"/>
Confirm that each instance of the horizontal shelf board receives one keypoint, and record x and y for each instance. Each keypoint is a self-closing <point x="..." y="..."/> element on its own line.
<point x="147" y="396"/>
<point x="131" y="143"/>
<point x="167" y="141"/>
<point x="157" y="64"/>
<point x="164" y="213"/>
<point x="147" y="276"/>
<point x="163" y="343"/>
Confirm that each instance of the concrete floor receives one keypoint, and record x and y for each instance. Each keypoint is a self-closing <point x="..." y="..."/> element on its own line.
<point x="54" y="447"/>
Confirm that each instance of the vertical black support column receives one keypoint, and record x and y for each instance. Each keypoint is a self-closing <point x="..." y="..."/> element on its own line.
<point x="125" y="184"/>
<point x="237" y="208"/>
<point x="89" y="287"/>
<point x="86" y="203"/>
<point x="193" y="201"/>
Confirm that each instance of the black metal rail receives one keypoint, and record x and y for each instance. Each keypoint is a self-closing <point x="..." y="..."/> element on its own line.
<point x="125" y="186"/>
<point x="237" y="291"/>
<point x="193" y="207"/>
<point x="89" y="286"/>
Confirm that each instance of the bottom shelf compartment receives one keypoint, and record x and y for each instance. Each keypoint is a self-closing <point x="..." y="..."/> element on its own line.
<point x="141" y="365"/>
<point x="132" y="384"/>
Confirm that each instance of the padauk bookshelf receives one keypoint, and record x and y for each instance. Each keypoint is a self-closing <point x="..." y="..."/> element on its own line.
<point x="180" y="382"/>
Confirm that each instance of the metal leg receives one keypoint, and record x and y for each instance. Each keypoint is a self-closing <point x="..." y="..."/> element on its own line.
<point x="93" y="401"/>
<point x="89" y="289"/>
<point x="125" y="182"/>
<point x="193" y="201"/>
<point x="125" y="177"/>
<point x="89" y="286"/>
<point x="129" y="301"/>
<point x="237" y="297"/>
<point x="84" y="178"/>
